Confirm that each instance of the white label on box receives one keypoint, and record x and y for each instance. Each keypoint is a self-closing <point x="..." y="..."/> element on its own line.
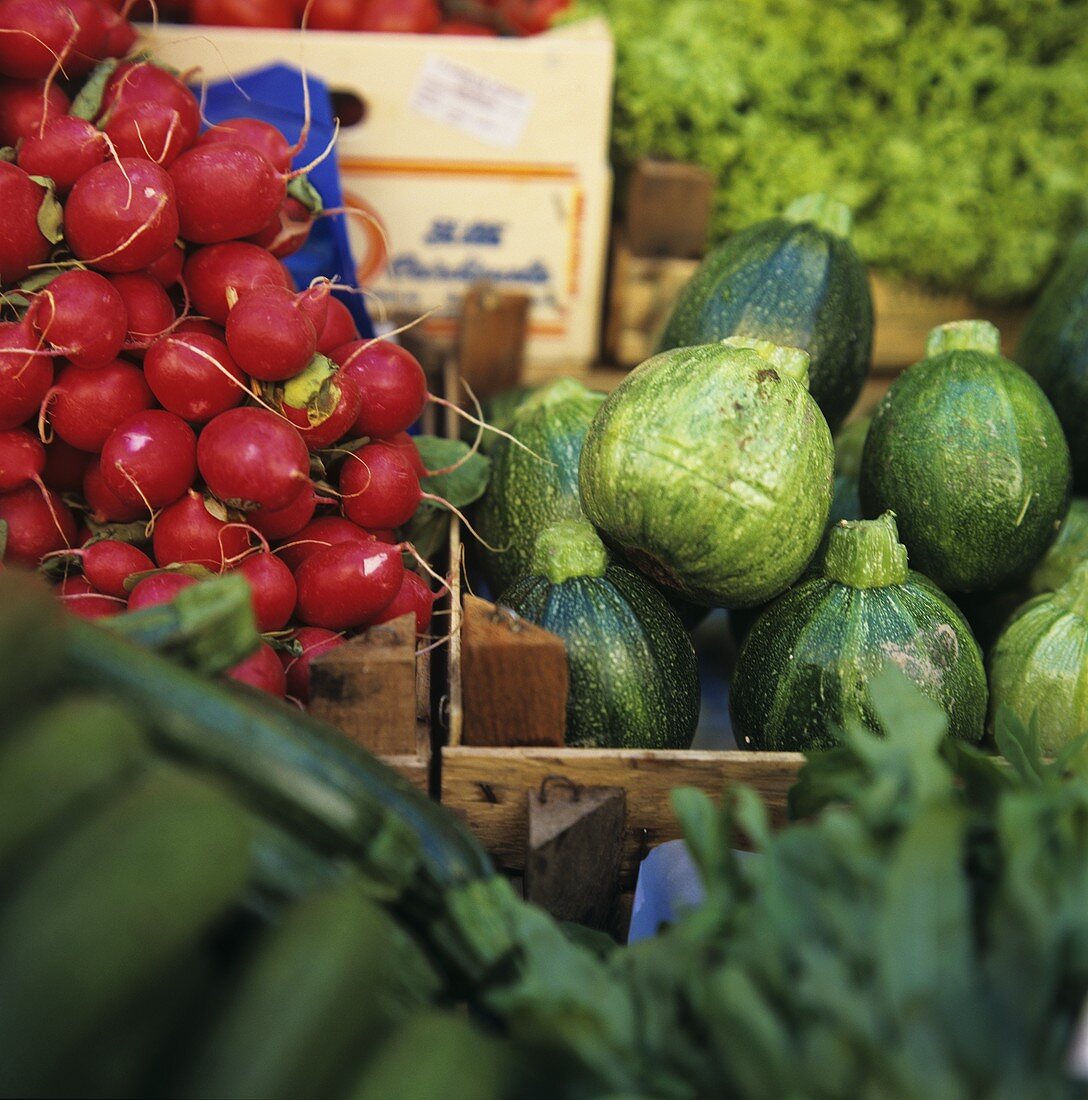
<point x="477" y="104"/>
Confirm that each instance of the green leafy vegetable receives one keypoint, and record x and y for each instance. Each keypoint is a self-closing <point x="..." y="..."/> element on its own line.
<point x="957" y="131"/>
<point x="461" y="487"/>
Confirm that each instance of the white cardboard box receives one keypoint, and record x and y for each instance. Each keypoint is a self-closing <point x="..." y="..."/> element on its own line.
<point x="480" y="158"/>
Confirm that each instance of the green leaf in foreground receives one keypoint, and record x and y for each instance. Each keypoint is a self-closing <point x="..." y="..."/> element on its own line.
<point x="461" y="487"/>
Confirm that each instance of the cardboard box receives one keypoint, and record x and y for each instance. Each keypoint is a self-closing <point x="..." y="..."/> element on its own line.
<point x="477" y="159"/>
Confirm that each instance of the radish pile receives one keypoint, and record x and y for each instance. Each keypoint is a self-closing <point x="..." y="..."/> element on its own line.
<point x="170" y="402"/>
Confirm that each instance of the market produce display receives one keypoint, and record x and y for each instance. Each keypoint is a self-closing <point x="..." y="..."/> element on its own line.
<point x="171" y="405"/>
<point x="633" y="679"/>
<point x="233" y="900"/>
<point x="793" y="280"/>
<point x="957" y="131"/>
<point x="1065" y="552"/>
<point x="804" y="672"/>
<point x="710" y="468"/>
<point x="968" y="453"/>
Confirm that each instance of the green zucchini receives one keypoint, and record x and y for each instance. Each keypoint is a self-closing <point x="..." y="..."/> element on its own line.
<point x="1053" y="349"/>
<point x="793" y="280"/>
<point x="633" y="677"/>
<point x="804" y="671"/>
<point x="1039" y="665"/>
<point x="529" y="491"/>
<point x="1067" y="551"/>
<point x="967" y="452"/>
<point x="709" y="468"/>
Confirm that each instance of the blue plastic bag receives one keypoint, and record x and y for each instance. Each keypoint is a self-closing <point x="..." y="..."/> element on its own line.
<point x="274" y="94"/>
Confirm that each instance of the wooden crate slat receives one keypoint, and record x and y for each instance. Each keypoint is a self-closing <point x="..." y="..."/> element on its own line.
<point x="488" y="788"/>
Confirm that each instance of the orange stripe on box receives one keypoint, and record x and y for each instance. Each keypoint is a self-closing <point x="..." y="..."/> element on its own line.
<point x="511" y="169"/>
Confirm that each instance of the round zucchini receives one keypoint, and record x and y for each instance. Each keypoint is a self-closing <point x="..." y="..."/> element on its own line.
<point x="633" y="677"/>
<point x="1039" y="666"/>
<point x="794" y="280"/>
<point x="1053" y="349"/>
<point x="529" y="491"/>
<point x="710" y="469"/>
<point x="803" y="673"/>
<point x="967" y="452"/>
<point x="1068" y="550"/>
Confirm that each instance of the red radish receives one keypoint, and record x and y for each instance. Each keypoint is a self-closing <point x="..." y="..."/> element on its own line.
<point x="149" y="458"/>
<point x="384" y="534"/>
<point x="330" y="416"/>
<point x="89" y="46"/>
<point x="244" y="13"/>
<point x="225" y="191"/>
<point x="404" y="442"/>
<point x="65" y="148"/>
<point x="334" y="15"/>
<point x="65" y="466"/>
<point x="191" y="375"/>
<point x="262" y="668"/>
<point x="400" y="16"/>
<point x="33" y="35"/>
<point x="273" y="588"/>
<point x="22" y="458"/>
<point x="157" y="589"/>
<point x="147" y="306"/>
<point x="189" y="531"/>
<point x="465" y="27"/>
<point x="105" y="506"/>
<point x="413" y="597"/>
<point x="166" y="270"/>
<point x="25" y="374"/>
<point x="379" y="487"/>
<point x="25" y="106"/>
<point x="39" y="522"/>
<point x="85" y="406"/>
<point x="392" y="383"/>
<point x="81" y="598"/>
<point x="314" y="302"/>
<point x="281" y="523"/>
<point x="122" y="216"/>
<point x="257" y="134"/>
<point x="269" y="335"/>
<point x="347" y="585"/>
<point x="137" y="82"/>
<point x="108" y="563"/>
<point x="287" y="231"/>
<point x="22" y="244"/>
<point x="251" y="458"/>
<point x="154" y="131"/>
<point x="121" y="35"/>
<point x="234" y="266"/>
<point x="314" y="641"/>
<point x="82" y="316"/>
<point x="339" y="328"/>
<point x="319" y="534"/>
<point x="197" y="326"/>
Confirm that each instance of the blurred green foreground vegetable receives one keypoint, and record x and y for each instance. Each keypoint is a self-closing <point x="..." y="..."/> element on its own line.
<point x="212" y="895"/>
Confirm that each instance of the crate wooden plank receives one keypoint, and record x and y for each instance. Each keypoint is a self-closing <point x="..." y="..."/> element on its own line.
<point x="668" y="208"/>
<point x="491" y="339"/>
<point x="367" y="688"/>
<point x="514" y="678"/>
<point x="488" y="788"/>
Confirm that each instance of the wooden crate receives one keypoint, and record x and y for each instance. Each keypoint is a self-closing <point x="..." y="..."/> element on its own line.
<point x="489" y="787"/>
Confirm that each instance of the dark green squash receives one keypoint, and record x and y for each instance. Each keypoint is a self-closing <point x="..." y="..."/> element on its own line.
<point x="967" y="452"/>
<point x="1053" y="349"/>
<point x="529" y="491"/>
<point x="633" y="677"/>
<point x="1067" y="551"/>
<point x="793" y="280"/>
<point x="804" y="671"/>
<point x="1039" y="666"/>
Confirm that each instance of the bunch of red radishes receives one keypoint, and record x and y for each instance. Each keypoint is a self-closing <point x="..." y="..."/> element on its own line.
<point x="162" y="381"/>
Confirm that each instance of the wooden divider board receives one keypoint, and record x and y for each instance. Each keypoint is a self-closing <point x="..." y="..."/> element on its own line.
<point x="489" y="788"/>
